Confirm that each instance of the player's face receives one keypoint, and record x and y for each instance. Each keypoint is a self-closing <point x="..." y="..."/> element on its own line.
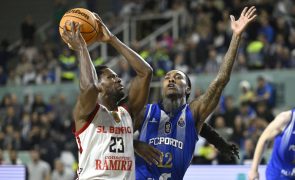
<point x="174" y="85"/>
<point x="111" y="84"/>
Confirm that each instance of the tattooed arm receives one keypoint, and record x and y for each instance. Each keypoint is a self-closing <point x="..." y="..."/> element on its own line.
<point x="204" y="105"/>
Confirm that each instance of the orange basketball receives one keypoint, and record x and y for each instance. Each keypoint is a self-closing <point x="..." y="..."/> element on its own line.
<point x="88" y="24"/>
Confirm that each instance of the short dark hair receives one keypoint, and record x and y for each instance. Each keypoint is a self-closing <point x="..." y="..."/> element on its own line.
<point x="99" y="70"/>
<point x="188" y="81"/>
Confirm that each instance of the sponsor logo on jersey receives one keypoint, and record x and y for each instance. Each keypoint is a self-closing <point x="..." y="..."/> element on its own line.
<point x="153" y="121"/>
<point x="181" y="122"/>
<point x="114" y="130"/>
<point x="168" y="127"/>
<point x="167" y="141"/>
<point x="116" y="116"/>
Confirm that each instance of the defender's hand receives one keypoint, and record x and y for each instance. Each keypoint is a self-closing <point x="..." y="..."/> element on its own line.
<point x="253" y="175"/>
<point x="230" y="151"/>
<point x="73" y="37"/>
<point x="247" y="16"/>
<point x="105" y="35"/>
<point x="148" y="152"/>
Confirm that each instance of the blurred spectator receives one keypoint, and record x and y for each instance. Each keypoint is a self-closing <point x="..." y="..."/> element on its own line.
<point x="68" y="63"/>
<point x="3" y="77"/>
<point x="60" y="172"/>
<point x="246" y="113"/>
<point x="263" y="112"/>
<point x="230" y="111"/>
<point x="1" y="157"/>
<point x="213" y="62"/>
<point x="241" y="63"/>
<point x="249" y="151"/>
<point x="10" y="118"/>
<point x="266" y="29"/>
<point x="167" y="41"/>
<point x="238" y="131"/>
<point x="247" y="95"/>
<point x="4" y="54"/>
<point x="13" y="158"/>
<point x="220" y="127"/>
<point x="265" y="92"/>
<point x="28" y="30"/>
<point x="38" y="169"/>
<point x="39" y="105"/>
<point x="180" y="64"/>
<point x="255" y="52"/>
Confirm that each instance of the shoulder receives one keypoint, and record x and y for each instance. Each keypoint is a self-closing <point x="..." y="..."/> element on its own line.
<point x="45" y="165"/>
<point x="282" y="120"/>
<point x="286" y="115"/>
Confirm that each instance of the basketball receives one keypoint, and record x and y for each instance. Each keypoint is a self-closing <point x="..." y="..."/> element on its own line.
<point x="89" y="28"/>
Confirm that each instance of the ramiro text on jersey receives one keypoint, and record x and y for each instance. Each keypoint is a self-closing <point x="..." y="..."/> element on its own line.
<point x="113" y="164"/>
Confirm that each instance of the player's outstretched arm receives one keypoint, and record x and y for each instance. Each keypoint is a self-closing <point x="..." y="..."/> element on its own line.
<point x="272" y="130"/>
<point x="226" y="149"/>
<point x="89" y="88"/>
<point x="140" y="85"/>
<point x="204" y="105"/>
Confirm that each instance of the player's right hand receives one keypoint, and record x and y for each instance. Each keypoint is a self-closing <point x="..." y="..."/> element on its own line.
<point x="147" y="152"/>
<point x="73" y="37"/>
<point x="105" y="35"/>
<point x="253" y="175"/>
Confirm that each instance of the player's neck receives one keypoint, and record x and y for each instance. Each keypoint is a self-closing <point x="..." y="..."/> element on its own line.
<point x="109" y="103"/>
<point x="171" y="105"/>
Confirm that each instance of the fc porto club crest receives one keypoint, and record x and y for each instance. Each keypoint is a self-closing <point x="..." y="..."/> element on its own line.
<point x="181" y="122"/>
<point x="167" y="127"/>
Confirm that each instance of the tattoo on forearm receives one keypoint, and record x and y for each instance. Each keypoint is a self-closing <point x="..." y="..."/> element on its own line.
<point x="228" y="61"/>
<point x="214" y="91"/>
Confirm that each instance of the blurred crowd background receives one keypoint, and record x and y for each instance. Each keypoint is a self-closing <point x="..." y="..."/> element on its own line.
<point x="36" y="131"/>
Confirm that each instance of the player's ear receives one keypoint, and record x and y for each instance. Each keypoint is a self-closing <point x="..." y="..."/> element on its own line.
<point x="188" y="90"/>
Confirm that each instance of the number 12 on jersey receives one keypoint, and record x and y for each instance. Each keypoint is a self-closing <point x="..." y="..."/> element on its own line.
<point x="117" y="145"/>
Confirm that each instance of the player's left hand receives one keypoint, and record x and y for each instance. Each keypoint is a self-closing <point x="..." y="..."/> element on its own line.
<point x="147" y="152"/>
<point x="230" y="151"/>
<point x="105" y="35"/>
<point x="247" y="16"/>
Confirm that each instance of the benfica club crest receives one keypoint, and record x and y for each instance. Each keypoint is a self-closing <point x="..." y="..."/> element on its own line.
<point x="116" y="116"/>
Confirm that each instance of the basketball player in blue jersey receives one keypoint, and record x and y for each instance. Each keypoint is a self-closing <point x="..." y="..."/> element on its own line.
<point x="282" y="162"/>
<point x="172" y="125"/>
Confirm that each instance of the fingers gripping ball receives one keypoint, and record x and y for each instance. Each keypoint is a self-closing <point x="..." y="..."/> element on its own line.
<point x="89" y="27"/>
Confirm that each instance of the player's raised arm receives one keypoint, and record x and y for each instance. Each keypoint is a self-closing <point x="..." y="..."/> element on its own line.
<point x="203" y="106"/>
<point x="139" y="89"/>
<point x="88" y="79"/>
<point x="272" y="130"/>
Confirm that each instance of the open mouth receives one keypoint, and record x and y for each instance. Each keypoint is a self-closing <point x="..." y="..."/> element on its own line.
<point x="171" y="85"/>
<point x="121" y="87"/>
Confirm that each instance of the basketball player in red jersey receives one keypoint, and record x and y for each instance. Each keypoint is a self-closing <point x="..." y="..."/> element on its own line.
<point x="103" y="129"/>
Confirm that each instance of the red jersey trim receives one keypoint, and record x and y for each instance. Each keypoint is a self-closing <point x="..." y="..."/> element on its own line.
<point x="125" y="107"/>
<point x="89" y="120"/>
